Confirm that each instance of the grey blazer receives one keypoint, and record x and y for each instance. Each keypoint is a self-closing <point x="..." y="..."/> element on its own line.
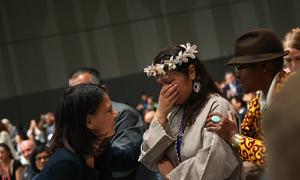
<point x="204" y="154"/>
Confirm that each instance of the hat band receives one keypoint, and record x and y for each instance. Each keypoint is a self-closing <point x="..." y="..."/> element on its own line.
<point x="247" y="59"/>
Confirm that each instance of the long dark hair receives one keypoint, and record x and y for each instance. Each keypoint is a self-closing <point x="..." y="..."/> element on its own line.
<point x="5" y="146"/>
<point x="71" y="131"/>
<point x="196" y="101"/>
<point x="39" y="149"/>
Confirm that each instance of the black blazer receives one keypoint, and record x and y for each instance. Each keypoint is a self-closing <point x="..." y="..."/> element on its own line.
<point x="64" y="164"/>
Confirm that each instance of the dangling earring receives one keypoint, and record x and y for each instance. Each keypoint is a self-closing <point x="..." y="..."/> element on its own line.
<point x="196" y="86"/>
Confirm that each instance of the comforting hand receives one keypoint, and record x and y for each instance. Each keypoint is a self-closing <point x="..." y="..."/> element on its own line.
<point x="165" y="167"/>
<point x="226" y="128"/>
<point x="167" y="98"/>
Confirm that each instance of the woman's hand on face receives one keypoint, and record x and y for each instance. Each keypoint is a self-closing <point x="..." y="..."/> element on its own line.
<point x="225" y="128"/>
<point x="167" y="98"/>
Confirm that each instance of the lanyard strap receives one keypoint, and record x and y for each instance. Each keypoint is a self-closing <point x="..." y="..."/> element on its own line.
<point x="179" y="140"/>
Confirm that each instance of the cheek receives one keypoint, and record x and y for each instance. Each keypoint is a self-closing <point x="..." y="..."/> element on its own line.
<point x="106" y="126"/>
<point x="184" y="91"/>
<point x="112" y="123"/>
<point x="38" y="165"/>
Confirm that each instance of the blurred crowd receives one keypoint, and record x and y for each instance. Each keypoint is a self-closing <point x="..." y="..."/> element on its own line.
<point x="24" y="152"/>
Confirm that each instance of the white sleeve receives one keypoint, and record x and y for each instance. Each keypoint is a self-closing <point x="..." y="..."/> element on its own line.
<point x="216" y="160"/>
<point x="156" y="140"/>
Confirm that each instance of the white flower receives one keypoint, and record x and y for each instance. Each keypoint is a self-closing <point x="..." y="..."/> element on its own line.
<point x="185" y="46"/>
<point x="179" y="57"/>
<point x="154" y="70"/>
<point x="191" y="50"/>
<point x="160" y="69"/>
<point x="182" y="57"/>
<point x="150" y="70"/>
<point x="172" y="63"/>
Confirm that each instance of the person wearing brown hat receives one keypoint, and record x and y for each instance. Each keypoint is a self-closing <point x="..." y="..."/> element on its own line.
<point x="258" y="62"/>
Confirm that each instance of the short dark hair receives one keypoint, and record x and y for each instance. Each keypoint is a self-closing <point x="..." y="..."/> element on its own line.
<point x="95" y="74"/>
<point x="71" y="131"/>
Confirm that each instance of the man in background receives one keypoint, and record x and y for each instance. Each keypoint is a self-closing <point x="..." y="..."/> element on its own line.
<point x="26" y="148"/>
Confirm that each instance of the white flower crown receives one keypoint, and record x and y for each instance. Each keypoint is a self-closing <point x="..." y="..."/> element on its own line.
<point x="182" y="57"/>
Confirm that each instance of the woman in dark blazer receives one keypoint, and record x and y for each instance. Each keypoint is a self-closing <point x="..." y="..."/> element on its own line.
<point x="84" y="121"/>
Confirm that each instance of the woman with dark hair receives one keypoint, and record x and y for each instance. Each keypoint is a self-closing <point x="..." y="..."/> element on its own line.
<point x="176" y="143"/>
<point x="9" y="167"/>
<point x="38" y="160"/>
<point x="84" y="121"/>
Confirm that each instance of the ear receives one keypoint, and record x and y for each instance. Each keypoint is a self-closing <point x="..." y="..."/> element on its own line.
<point x="89" y="122"/>
<point x="192" y="72"/>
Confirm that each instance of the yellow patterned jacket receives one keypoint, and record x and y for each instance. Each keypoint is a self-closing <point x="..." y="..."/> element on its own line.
<point x="252" y="147"/>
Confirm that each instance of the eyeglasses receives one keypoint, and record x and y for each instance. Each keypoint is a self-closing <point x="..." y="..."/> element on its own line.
<point x="238" y="68"/>
<point x="41" y="157"/>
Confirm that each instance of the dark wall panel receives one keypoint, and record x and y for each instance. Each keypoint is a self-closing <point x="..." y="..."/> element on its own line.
<point x="126" y="89"/>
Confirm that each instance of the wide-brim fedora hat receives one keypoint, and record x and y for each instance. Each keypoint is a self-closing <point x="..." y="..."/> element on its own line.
<point x="256" y="46"/>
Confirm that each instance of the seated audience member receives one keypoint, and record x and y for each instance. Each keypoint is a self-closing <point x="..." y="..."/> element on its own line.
<point x="11" y="129"/>
<point x="84" y="121"/>
<point x="239" y="105"/>
<point x="5" y="138"/>
<point x="20" y="136"/>
<point x="248" y="97"/>
<point x="232" y="86"/>
<point x="38" y="160"/>
<point x="46" y="124"/>
<point x="9" y="167"/>
<point x="26" y="148"/>
<point x="142" y="105"/>
<point x="35" y="133"/>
